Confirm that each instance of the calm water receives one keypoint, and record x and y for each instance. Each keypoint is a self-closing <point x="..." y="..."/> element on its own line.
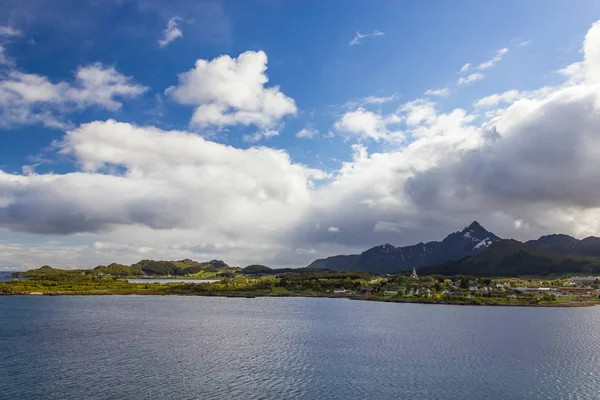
<point x="6" y="276"/>
<point x="170" y="280"/>
<point x="130" y="347"/>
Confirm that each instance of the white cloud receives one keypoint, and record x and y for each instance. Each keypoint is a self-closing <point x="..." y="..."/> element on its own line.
<point x="465" y="68"/>
<point x="360" y="36"/>
<point x="4" y="59"/>
<point x="333" y="229"/>
<point x="525" y="43"/>
<point x="260" y="135"/>
<point x="474" y="77"/>
<point x="379" y="99"/>
<point x="418" y="111"/>
<point x="497" y="58"/>
<point x="531" y="167"/>
<point x="437" y="92"/>
<point x="370" y="100"/>
<point x="30" y="99"/>
<point x="497" y="98"/>
<point x="159" y="189"/>
<point x="307" y="133"/>
<point x="367" y="125"/>
<point x="8" y="31"/>
<point x="230" y="91"/>
<point x="171" y="33"/>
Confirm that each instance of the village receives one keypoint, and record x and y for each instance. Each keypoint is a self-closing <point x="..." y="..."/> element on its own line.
<point x="413" y="286"/>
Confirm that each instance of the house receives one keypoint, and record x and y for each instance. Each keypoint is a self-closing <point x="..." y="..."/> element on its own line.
<point x="473" y="288"/>
<point x="427" y="292"/>
<point x="583" y="279"/>
<point x="411" y="292"/>
<point x="339" y="290"/>
<point x="390" y="293"/>
<point x="398" y="288"/>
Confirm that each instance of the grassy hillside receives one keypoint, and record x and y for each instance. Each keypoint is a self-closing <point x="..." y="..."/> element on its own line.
<point x="513" y="258"/>
<point x="143" y="268"/>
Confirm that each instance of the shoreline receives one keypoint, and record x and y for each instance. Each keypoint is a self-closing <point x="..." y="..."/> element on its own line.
<point x="250" y="295"/>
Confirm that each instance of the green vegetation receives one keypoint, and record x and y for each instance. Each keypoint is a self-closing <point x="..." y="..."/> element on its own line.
<point x="151" y="268"/>
<point x="263" y="281"/>
<point x="513" y="258"/>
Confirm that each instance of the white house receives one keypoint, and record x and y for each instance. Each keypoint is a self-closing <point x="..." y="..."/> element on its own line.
<point x="339" y="290"/>
<point x="583" y="279"/>
<point x="390" y="293"/>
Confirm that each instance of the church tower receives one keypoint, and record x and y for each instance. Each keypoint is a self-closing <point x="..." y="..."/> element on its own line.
<point x="414" y="275"/>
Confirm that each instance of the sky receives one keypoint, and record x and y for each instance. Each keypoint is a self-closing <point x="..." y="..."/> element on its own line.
<point x="277" y="132"/>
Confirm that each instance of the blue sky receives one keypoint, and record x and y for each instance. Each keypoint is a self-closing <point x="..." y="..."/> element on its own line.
<point x="353" y="99"/>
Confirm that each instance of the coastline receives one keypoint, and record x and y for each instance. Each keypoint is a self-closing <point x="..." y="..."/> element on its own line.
<point x="250" y="295"/>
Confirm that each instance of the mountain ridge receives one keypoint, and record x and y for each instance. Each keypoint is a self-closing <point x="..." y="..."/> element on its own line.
<point x="387" y="258"/>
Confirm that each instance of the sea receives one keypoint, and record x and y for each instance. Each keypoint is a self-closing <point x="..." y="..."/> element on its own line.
<point x="185" y="347"/>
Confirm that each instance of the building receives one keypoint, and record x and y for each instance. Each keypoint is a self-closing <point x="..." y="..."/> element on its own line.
<point x="413" y="275"/>
<point x="390" y="293"/>
<point x="583" y="279"/>
<point x="339" y="290"/>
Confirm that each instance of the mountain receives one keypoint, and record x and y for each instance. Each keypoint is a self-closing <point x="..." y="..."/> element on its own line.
<point x="514" y="258"/>
<point x="565" y="244"/>
<point x="387" y="258"/>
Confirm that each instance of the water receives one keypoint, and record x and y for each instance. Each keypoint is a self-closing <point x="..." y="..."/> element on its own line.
<point x="170" y="280"/>
<point x="171" y="347"/>
<point x="5" y="276"/>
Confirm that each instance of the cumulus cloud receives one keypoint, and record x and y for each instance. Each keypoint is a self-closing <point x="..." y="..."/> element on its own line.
<point x="30" y="99"/>
<point x="497" y="98"/>
<point x="171" y="33"/>
<point x="366" y="124"/>
<point x="529" y="167"/>
<point x="333" y="229"/>
<point x="360" y="36"/>
<point x="230" y="91"/>
<point x="171" y="180"/>
<point x="307" y="133"/>
<point x="474" y="77"/>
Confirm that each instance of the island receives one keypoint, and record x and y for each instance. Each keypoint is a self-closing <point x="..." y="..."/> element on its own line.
<point x="216" y="278"/>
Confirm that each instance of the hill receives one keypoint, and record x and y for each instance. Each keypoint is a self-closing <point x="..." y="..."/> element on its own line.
<point x="565" y="244"/>
<point x="514" y="258"/>
<point x="142" y="268"/>
<point x="386" y="258"/>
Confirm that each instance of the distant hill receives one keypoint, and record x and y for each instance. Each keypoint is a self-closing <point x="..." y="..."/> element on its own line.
<point x="514" y="258"/>
<point x="386" y="258"/>
<point x="144" y="267"/>
<point x="257" y="269"/>
<point x="565" y="244"/>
